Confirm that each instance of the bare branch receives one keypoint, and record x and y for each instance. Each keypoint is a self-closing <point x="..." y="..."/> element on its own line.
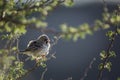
<point x="42" y="76"/>
<point x="88" y="68"/>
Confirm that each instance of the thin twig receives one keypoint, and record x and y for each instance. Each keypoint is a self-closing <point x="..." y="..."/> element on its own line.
<point x="105" y="6"/>
<point x="29" y="71"/>
<point x="32" y="69"/>
<point x="17" y="45"/>
<point x="69" y="78"/>
<point x="43" y="74"/>
<point x="87" y="69"/>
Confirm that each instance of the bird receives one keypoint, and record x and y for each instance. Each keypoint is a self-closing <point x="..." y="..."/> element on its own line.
<point x="38" y="48"/>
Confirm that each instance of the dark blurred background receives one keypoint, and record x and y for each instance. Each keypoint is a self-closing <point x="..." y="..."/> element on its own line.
<point x="74" y="57"/>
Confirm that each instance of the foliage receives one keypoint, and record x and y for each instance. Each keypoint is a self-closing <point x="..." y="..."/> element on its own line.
<point x="16" y="16"/>
<point x="70" y="32"/>
<point x="75" y="33"/>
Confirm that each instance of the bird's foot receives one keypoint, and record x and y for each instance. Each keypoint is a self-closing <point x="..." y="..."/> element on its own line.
<point x="41" y="58"/>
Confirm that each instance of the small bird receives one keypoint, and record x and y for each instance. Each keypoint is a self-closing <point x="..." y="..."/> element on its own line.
<point x="38" y="48"/>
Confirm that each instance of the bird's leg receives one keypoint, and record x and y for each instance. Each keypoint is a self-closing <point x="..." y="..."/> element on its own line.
<point x="44" y="57"/>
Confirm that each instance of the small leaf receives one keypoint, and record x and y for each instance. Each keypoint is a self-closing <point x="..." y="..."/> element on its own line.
<point x="112" y="54"/>
<point x="118" y="78"/>
<point x="43" y="64"/>
<point x="72" y="29"/>
<point x="110" y="34"/>
<point x="100" y="66"/>
<point x="40" y="24"/>
<point x="106" y="26"/>
<point x="82" y="35"/>
<point x="118" y="30"/>
<point x="103" y="55"/>
<point x="64" y="28"/>
<point x="14" y="48"/>
<point x="68" y="36"/>
<point x="68" y="3"/>
<point x="108" y="66"/>
<point x="7" y="27"/>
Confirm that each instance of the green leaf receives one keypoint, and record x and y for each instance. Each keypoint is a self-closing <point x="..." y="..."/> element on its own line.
<point x="68" y="36"/>
<point x="72" y="30"/>
<point x="43" y="64"/>
<point x="118" y="30"/>
<point x="75" y="37"/>
<point x="68" y="3"/>
<point x="100" y="66"/>
<point x="64" y="28"/>
<point x="103" y="55"/>
<point x="108" y="66"/>
<point x="112" y="54"/>
<point x="82" y="35"/>
<point x="14" y="48"/>
<point x="7" y="27"/>
<point x="110" y="34"/>
<point x="106" y="26"/>
<point x="106" y="16"/>
<point x="118" y="78"/>
<point x="20" y="29"/>
<point x="2" y="76"/>
<point x="118" y="18"/>
<point x="41" y="24"/>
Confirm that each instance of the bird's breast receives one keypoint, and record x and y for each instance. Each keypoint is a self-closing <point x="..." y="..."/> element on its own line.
<point x="45" y="49"/>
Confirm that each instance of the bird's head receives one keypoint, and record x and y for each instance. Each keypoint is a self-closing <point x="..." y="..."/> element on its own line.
<point x="44" y="38"/>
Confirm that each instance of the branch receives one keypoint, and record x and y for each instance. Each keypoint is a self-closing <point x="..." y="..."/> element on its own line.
<point x="29" y="71"/>
<point x="107" y="54"/>
<point x="108" y="49"/>
<point x="37" y="65"/>
<point x="32" y="7"/>
<point x="27" y="8"/>
<point x="87" y="69"/>
<point x="45" y="3"/>
<point x="42" y="76"/>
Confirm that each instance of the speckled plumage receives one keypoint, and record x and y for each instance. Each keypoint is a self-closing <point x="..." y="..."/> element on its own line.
<point x="38" y="47"/>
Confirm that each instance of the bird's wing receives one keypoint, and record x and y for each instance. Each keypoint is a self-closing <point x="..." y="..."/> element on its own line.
<point x="30" y="42"/>
<point x="33" y="45"/>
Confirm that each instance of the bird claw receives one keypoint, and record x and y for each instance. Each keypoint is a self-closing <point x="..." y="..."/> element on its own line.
<point x="41" y="58"/>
